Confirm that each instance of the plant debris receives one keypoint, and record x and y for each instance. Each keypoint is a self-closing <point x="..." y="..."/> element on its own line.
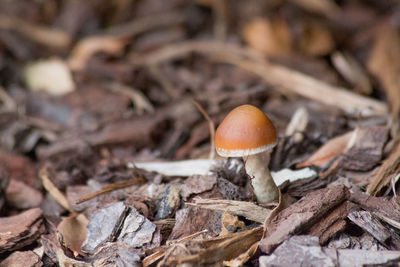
<point x="108" y="115"/>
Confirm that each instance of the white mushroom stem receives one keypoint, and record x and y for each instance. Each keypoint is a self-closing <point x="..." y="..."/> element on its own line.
<point x="264" y="186"/>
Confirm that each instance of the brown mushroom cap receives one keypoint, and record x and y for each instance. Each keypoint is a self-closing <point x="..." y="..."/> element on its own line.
<point x="246" y="130"/>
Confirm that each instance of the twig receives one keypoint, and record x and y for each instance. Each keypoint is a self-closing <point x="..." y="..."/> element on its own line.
<point x="112" y="187"/>
<point x="211" y="125"/>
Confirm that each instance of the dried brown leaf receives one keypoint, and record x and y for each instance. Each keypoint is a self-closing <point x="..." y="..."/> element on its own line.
<point x="215" y="250"/>
<point x="73" y="232"/>
<point x="331" y="149"/>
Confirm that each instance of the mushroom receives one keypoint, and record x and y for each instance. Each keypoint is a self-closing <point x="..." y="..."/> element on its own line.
<point x="247" y="132"/>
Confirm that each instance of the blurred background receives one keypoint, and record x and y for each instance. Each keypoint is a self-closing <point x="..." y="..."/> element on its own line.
<point x="119" y="77"/>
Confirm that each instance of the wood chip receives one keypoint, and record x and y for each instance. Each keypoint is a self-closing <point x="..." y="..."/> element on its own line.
<point x="22" y="259"/>
<point x="389" y="169"/>
<point x="379" y="205"/>
<point x="366" y="150"/>
<point x="20" y="230"/>
<point x="355" y="257"/>
<point x="22" y="196"/>
<point x="197" y="184"/>
<point x="298" y="251"/>
<point x="103" y="226"/>
<point x="193" y="219"/>
<point x="331" y="224"/>
<point x="303" y="214"/>
<point x="373" y="226"/>
<point x="246" y="209"/>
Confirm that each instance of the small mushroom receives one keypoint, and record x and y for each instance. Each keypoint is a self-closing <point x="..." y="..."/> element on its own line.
<point x="247" y="132"/>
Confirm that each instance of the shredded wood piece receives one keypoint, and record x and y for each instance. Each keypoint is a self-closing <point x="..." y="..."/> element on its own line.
<point x="389" y="169"/>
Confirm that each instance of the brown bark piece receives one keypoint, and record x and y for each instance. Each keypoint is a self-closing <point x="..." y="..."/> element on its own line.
<point x="358" y="257"/>
<point x="20" y="230"/>
<point x="22" y="196"/>
<point x="22" y="259"/>
<point x="373" y="226"/>
<point x="366" y="152"/>
<point x="19" y="167"/>
<point x="246" y="209"/>
<point x="366" y="221"/>
<point x="298" y="251"/>
<point x="192" y="219"/>
<point x="331" y="224"/>
<point x="131" y="131"/>
<point x="303" y="214"/>
<point x="389" y="169"/>
<point x="380" y="205"/>
<point x="170" y="202"/>
<point x="197" y="184"/>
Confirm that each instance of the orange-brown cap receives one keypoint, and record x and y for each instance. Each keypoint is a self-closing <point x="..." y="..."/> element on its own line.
<point x="246" y="130"/>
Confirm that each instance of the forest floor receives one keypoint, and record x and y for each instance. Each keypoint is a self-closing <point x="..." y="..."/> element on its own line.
<point x="108" y="111"/>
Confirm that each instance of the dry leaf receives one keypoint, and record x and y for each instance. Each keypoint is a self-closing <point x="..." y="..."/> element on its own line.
<point x="268" y="37"/>
<point x="331" y="149"/>
<point x="73" y="232"/>
<point x="51" y="75"/>
<point x="214" y="250"/>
